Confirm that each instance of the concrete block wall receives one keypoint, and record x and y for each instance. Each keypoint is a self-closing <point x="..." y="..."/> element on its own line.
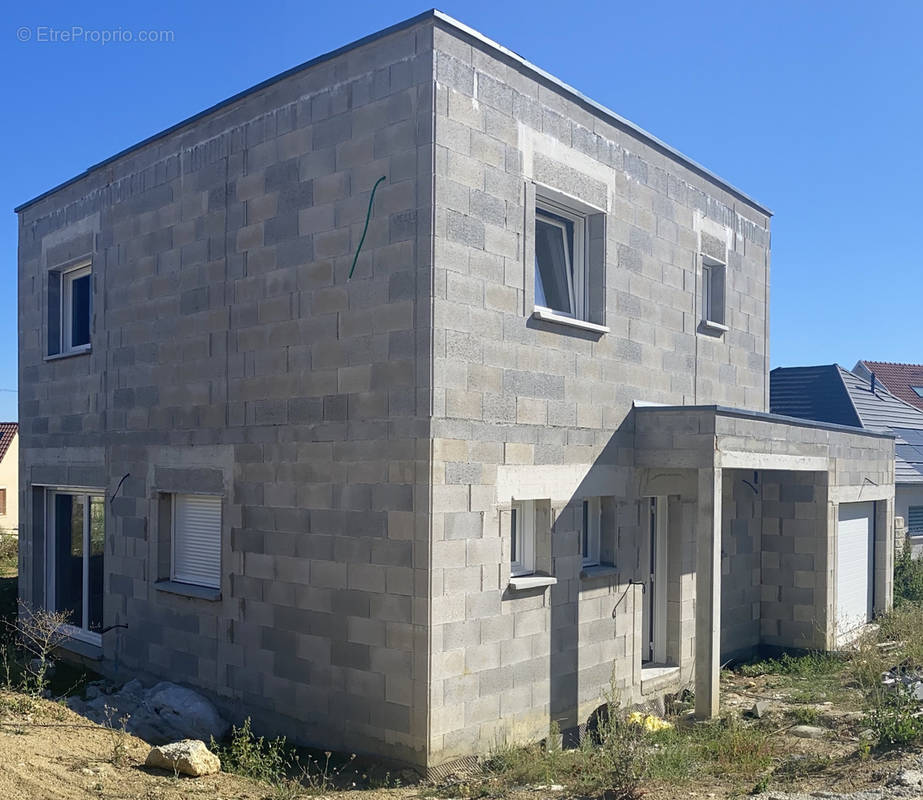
<point x="515" y="396"/>
<point x="229" y="353"/>
<point x="741" y="527"/>
<point x="794" y="575"/>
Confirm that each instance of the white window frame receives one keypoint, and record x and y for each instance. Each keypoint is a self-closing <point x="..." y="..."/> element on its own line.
<point x="522" y="537"/>
<point x="576" y="272"/>
<point x="82" y="634"/>
<point x="174" y="576"/>
<point x="590" y="525"/>
<point x="67" y="280"/>
<point x="711" y="319"/>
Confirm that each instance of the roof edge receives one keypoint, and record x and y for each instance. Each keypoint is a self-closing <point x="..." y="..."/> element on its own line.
<point x="728" y="411"/>
<point x="652" y="140"/>
<point x="460" y="27"/>
<point x="380" y="34"/>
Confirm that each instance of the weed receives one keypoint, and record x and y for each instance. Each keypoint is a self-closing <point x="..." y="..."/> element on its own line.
<point x="805" y="715"/>
<point x="36" y="633"/>
<point x="809" y="665"/>
<point x="118" y="736"/>
<point x="895" y="721"/>
<point x="262" y="759"/>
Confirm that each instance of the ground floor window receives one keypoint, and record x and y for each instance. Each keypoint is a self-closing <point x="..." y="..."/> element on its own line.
<point x="196" y="551"/>
<point x="76" y="542"/>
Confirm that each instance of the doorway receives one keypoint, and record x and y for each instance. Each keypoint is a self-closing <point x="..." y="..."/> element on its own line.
<point x="653" y="559"/>
<point x="76" y="523"/>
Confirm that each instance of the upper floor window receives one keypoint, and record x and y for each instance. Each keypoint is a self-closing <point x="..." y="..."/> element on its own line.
<point x="560" y="261"/>
<point x="589" y="531"/>
<point x="713" y="293"/>
<point x="522" y="538"/>
<point x="70" y="309"/>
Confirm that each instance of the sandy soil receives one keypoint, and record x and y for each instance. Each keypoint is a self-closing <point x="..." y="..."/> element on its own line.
<point x="50" y="752"/>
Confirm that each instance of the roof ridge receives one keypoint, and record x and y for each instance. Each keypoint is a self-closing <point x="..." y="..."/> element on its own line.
<point x="891" y="363"/>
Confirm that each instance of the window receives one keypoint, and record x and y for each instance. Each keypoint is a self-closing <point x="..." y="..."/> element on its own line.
<point x="522" y="538"/>
<point x="76" y="521"/>
<point x="70" y="309"/>
<point x="713" y="302"/>
<point x="915" y="520"/>
<point x="2" y="502"/>
<point x="560" y="262"/>
<point x="589" y="531"/>
<point x="918" y="390"/>
<point x="196" y="540"/>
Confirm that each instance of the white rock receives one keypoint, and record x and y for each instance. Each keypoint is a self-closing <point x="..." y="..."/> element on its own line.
<point x="190" y="757"/>
<point x="186" y="712"/>
<point x="808" y="732"/>
<point x="908" y="777"/>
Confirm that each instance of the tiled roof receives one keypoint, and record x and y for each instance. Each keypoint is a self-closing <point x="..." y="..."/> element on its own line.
<point x="896" y="378"/>
<point x="8" y="430"/>
<point x="833" y="394"/>
<point x="812" y="393"/>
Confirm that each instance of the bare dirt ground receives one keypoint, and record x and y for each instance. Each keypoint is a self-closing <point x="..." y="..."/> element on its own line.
<point x="47" y="751"/>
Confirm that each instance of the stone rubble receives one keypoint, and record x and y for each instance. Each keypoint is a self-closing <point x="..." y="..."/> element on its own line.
<point x="159" y="715"/>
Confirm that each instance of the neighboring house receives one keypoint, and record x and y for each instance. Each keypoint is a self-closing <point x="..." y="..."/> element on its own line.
<point x="419" y="512"/>
<point x="902" y="380"/>
<point x="833" y="394"/>
<point x="9" y="477"/>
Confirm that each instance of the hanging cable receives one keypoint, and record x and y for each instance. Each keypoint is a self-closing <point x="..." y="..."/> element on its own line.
<point x="365" y="230"/>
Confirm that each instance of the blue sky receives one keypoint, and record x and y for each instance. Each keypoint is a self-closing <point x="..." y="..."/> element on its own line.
<point x="813" y="108"/>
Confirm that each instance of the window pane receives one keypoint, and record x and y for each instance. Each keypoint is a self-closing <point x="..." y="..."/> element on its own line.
<point x="68" y="557"/>
<point x="514" y="549"/>
<point x="551" y="268"/>
<point x="97" y="542"/>
<point x="585" y="541"/>
<point x="80" y="311"/>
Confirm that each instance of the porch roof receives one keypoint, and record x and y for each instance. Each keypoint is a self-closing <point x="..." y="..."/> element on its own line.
<point x="719" y="436"/>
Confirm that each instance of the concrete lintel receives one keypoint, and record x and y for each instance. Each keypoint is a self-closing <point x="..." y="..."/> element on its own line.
<point x="777" y="461"/>
<point x="708" y="594"/>
<point x="860" y="494"/>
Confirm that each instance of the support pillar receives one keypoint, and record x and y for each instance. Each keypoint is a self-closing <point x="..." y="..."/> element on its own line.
<point x="708" y="594"/>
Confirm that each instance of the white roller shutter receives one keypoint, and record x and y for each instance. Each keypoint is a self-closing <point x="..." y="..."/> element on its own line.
<point x="197" y="539"/>
<point x="854" y="566"/>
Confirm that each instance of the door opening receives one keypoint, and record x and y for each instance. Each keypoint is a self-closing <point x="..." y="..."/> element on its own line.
<point x="654" y="569"/>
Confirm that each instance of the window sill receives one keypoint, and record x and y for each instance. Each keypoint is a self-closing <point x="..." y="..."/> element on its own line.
<point x="559" y="319"/>
<point x="188" y="590"/>
<point x="92" y="652"/>
<point x="714" y="327"/>
<point x="519" y="583"/>
<point x="82" y="351"/>
<point x="590" y="573"/>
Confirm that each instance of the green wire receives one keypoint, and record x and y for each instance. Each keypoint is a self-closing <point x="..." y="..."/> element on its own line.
<point x="365" y="230"/>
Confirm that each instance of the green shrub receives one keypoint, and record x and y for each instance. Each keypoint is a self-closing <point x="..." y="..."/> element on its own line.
<point x="908" y="578"/>
<point x="894" y="719"/>
<point x="808" y="665"/>
<point x="268" y="760"/>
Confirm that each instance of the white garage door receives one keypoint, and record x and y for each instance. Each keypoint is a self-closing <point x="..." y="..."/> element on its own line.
<point x="854" y="566"/>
